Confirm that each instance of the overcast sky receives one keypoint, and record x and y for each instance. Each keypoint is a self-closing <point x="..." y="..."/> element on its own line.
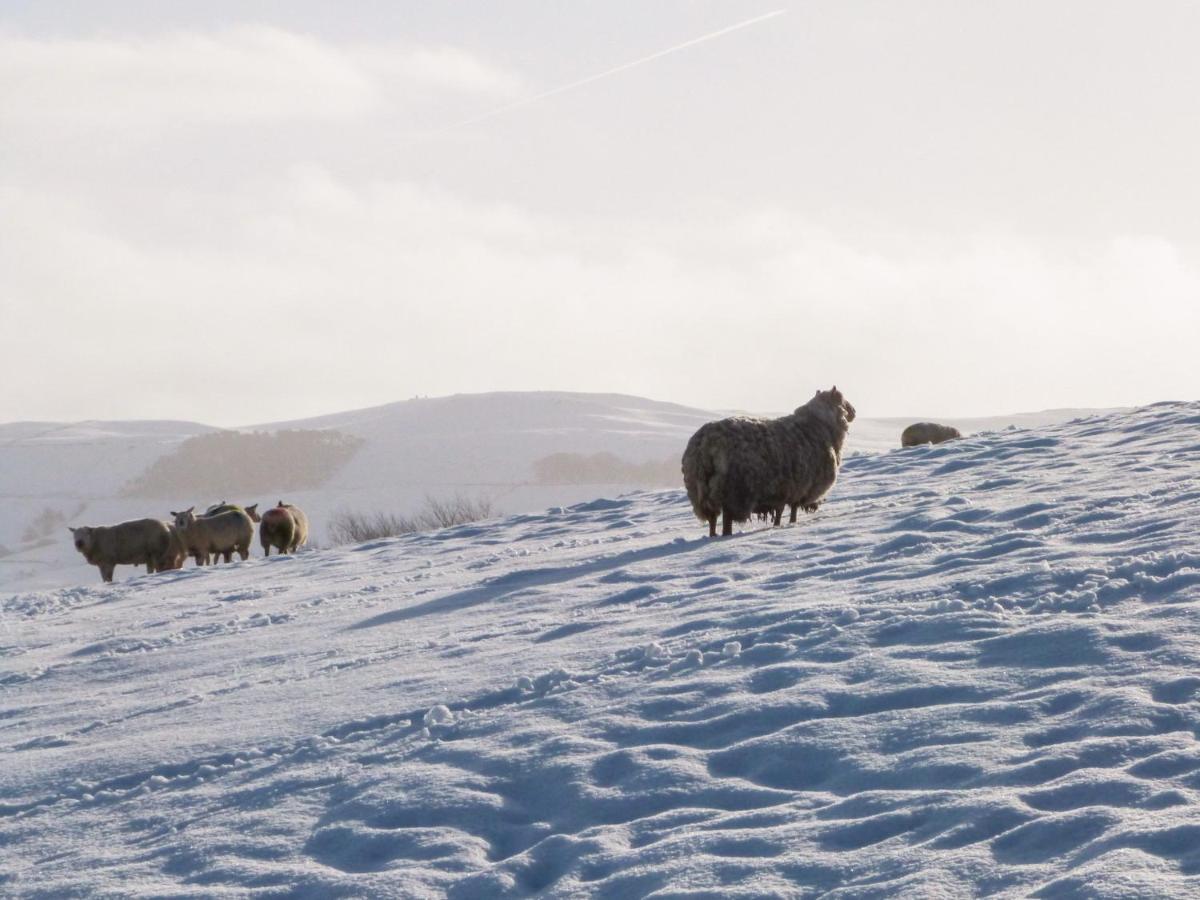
<point x="236" y="212"/>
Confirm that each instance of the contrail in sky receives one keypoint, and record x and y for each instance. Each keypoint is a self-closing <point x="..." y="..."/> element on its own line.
<point x="570" y="86"/>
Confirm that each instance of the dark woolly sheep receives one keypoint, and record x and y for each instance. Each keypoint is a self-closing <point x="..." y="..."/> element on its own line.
<point x="139" y="542"/>
<point x="284" y="527"/>
<point x="823" y="469"/>
<point x="927" y="433"/>
<point x="740" y="466"/>
<point x="772" y="514"/>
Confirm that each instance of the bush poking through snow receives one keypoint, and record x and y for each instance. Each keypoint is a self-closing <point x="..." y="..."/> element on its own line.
<point x="347" y="527"/>
<point x="457" y="510"/>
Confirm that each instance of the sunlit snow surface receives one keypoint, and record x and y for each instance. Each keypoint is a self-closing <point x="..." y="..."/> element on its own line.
<point x="975" y="671"/>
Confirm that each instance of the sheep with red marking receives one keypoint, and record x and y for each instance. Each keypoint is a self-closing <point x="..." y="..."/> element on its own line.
<point x="284" y="527"/>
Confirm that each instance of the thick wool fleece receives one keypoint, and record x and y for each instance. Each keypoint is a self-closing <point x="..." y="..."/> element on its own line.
<point x="740" y="465"/>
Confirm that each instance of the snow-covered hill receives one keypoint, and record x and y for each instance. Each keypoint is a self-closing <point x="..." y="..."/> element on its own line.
<point x="476" y="445"/>
<point x="481" y="445"/>
<point x="55" y="473"/>
<point x="975" y="671"/>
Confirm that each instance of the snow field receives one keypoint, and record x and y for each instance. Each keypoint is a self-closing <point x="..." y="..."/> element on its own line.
<point x="974" y="671"/>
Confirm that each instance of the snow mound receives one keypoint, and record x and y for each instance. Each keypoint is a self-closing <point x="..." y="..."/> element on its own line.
<point x="975" y="671"/>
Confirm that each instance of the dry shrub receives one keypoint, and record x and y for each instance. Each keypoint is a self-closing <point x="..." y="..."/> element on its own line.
<point x="346" y="527"/>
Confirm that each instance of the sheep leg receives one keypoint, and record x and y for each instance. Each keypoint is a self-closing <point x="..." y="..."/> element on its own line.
<point x="106" y="571"/>
<point x="726" y="523"/>
<point x="792" y="517"/>
<point x="228" y="556"/>
<point x="712" y="525"/>
<point x="778" y="516"/>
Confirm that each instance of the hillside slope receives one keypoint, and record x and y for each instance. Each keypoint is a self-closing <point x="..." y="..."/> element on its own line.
<point x="475" y="445"/>
<point x="975" y="670"/>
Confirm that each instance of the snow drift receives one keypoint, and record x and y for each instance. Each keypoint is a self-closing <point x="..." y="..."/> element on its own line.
<point x="975" y="670"/>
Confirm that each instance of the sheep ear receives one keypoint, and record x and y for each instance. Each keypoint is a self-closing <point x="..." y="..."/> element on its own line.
<point x="189" y="509"/>
<point x="72" y="530"/>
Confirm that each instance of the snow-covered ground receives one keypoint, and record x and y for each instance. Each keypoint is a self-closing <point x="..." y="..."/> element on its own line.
<point x="975" y="671"/>
<point x="476" y="445"/>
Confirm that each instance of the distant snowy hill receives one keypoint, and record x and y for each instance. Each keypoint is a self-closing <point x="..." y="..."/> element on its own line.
<point x="53" y="474"/>
<point x="976" y="671"/>
<point x="470" y="444"/>
<point x="486" y="444"/>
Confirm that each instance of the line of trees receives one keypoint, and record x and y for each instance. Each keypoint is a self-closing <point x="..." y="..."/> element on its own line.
<point x="239" y="463"/>
<point x="605" y="468"/>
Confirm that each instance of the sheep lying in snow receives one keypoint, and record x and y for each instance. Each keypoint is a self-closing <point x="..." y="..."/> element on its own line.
<point x="209" y="537"/>
<point x="927" y="433"/>
<point x="139" y="542"/>
<point x="740" y="466"/>
<point x="284" y="527"/>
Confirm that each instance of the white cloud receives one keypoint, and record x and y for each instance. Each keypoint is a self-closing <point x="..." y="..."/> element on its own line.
<point x="366" y="293"/>
<point x="269" y="193"/>
<point x="445" y="68"/>
<point x="115" y="88"/>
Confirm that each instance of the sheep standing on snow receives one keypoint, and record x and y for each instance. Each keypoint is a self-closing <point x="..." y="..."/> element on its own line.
<point x="177" y="550"/>
<point x="739" y="466"/>
<point x="284" y="527"/>
<point x="140" y="542"/>
<point x="927" y="433"/>
<point x="251" y="510"/>
<point x="208" y="538"/>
